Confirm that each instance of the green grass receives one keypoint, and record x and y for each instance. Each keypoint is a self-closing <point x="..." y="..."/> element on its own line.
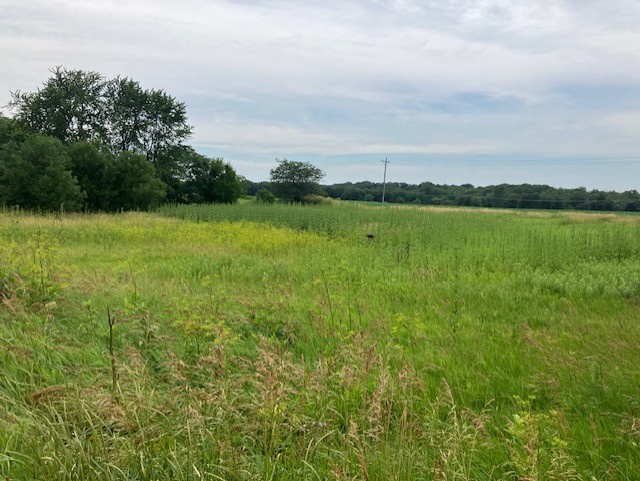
<point x="280" y="342"/>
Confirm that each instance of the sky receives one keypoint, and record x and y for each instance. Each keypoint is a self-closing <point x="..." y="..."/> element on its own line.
<point x="449" y="91"/>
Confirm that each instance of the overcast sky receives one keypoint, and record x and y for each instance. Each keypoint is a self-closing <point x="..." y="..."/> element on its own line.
<point x="450" y="91"/>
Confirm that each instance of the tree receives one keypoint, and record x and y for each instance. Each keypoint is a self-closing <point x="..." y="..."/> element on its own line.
<point x="211" y="180"/>
<point x="294" y="181"/>
<point x="147" y="121"/>
<point x="74" y="105"/>
<point x="224" y="185"/>
<point x="69" y="107"/>
<point x="133" y="183"/>
<point x="11" y="131"/>
<point x="171" y="167"/>
<point x="166" y="123"/>
<point x="91" y="164"/>
<point x="125" y="113"/>
<point x="36" y="174"/>
<point x="265" y="196"/>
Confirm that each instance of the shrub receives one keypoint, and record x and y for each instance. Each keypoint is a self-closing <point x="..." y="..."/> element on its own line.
<point x="318" y="200"/>
<point x="265" y="196"/>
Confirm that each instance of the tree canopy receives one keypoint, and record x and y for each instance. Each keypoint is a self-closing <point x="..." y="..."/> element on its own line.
<point x="75" y="105"/>
<point x="36" y="174"/>
<point x="211" y="180"/>
<point x="86" y="142"/>
<point x="294" y="181"/>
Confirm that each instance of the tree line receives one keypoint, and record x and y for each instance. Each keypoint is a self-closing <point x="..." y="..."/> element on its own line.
<point x="84" y="142"/>
<point x="522" y="196"/>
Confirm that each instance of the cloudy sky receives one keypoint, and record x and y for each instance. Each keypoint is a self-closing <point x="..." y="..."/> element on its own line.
<point x="450" y="91"/>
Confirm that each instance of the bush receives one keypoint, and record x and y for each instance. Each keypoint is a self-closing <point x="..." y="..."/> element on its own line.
<point x="265" y="196"/>
<point x="318" y="200"/>
<point x="36" y="174"/>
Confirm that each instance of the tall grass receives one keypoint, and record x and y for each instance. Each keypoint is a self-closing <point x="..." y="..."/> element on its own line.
<point x="282" y="342"/>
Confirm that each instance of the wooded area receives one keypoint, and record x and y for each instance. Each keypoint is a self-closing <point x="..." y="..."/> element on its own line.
<point x="83" y="142"/>
<point x="523" y="196"/>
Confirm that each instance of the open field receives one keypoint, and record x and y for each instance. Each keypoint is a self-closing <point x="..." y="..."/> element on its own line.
<point x="280" y="342"/>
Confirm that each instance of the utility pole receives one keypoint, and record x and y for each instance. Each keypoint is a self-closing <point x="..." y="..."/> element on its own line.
<point x="384" y="182"/>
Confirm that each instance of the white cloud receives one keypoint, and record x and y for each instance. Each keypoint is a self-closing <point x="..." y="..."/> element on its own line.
<point x="284" y="140"/>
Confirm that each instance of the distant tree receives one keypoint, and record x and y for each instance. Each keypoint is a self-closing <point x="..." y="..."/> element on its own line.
<point x="368" y="197"/>
<point x="524" y="196"/>
<point x="36" y="174"/>
<point x="498" y="195"/>
<point x="530" y="197"/>
<point x="265" y="196"/>
<point x="293" y="180"/>
<point x="599" y="200"/>
<point x="252" y="188"/>
<point x="352" y="193"/>
<point x="550" y="199"/>
<point x="211" y="180"/>
<point x="577" y="198"/>
<point x="631" y="200"/>
<point x="245" y="183"/>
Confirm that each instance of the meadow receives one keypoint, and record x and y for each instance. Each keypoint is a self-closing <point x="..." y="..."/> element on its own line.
<point x="276" y="342"/>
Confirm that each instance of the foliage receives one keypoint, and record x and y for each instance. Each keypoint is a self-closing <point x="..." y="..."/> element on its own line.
<point x="109" y="128"/>
<point x="91" y="165"/>
<point x="148" y="121"/>
<point x="75" y="105"/>
<point x="525" y="196"/>
<point x="171" y="166"/>
<point x="11" y="131"/>
<point x="265" y="196"/>
<point x="211" y="180"/>
<point x="133" y="183"/>
<point x="318" y="199"/>
<point x="252" y="188"/>
<point x="70" y="106"/>
<point x="293" y="180"/>
<point x="36" y="174"/>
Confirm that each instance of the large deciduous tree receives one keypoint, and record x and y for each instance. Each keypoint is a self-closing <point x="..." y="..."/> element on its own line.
<point x="294" y="181"/>
<point x="147" y="121"/>
<point x="74" y="105"/>
<point x="70" y="106"/>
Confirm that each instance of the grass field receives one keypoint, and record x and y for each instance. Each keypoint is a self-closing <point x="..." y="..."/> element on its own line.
<point x="281" y="342"/>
